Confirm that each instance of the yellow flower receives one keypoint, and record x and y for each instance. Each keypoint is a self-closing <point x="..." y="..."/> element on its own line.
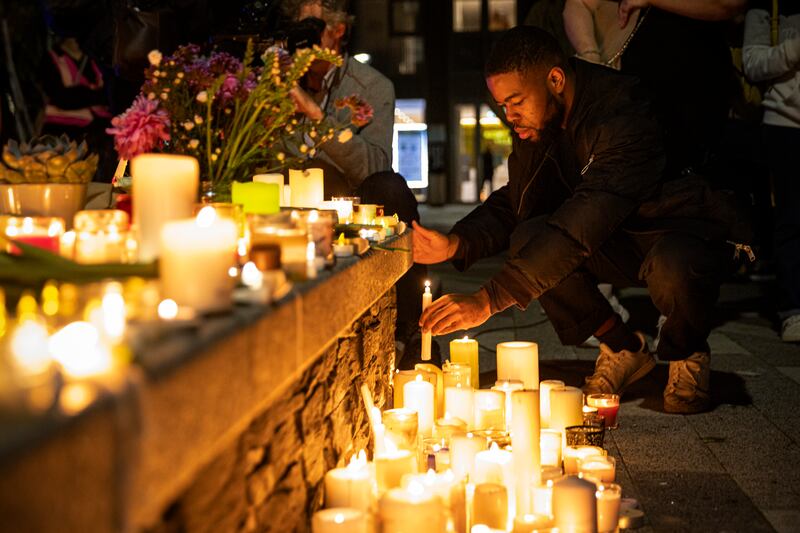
<point x="154" y="57"/>
<point x="188" y="125"/>
<point x="164" y="96"/>
<point x="193" y="143"/>
<point x="303" y="148"/>
<point x="202" y="97"/>
<point x="344" y="136"/>
<point x="198" y="119"/>
<point x="281" y="156"/>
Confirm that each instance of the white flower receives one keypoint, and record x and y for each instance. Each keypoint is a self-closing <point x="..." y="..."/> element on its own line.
<point x="202" y="97"/>
<point x="189" y="125"/>
<point x="154" y="57"/>
<point x="193" y="143"/>
<point x="344" y="136"/>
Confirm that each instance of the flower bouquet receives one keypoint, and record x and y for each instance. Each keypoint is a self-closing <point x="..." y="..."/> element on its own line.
<point x="235" y="118"/>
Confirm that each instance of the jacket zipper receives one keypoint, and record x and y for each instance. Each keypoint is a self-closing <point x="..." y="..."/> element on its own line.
<point x="584" y="169"/>
<point x="739" y="248"/>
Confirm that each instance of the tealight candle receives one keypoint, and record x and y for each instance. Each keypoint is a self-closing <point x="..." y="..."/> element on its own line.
<point x="607" y="406"/>
<point x="101" y="236"/>
<point x="458" y="402"/>
<point x="573" y="453"/>
<point x="608" y="504"/>
<point x="519" y="360"/>
<point x="342" y="247"/>
<point x="411" y="509"/>
<point x="508" y="386"/>
<point x="165" y="187"/>
<point x="489" y="409"/>
<point x="490" y="505"/>
<point x="550" y="444"/>
<point x="598" y="468"/>
<point x="419" y="396"/>
<point x="544" y="398"/>
<point x="574" y="505"/>
<point x="307" y="187"/>
<point x="350" y="486"/>
<point x="41" y="232"/>
<point x="276" y="179"/>
<point x="340" y="520"/>
<point x="466" y="351"/>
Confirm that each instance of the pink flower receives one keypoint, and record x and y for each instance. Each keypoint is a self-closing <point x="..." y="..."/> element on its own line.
<point x="139" y="129"/>
<point x="360" y="111"/>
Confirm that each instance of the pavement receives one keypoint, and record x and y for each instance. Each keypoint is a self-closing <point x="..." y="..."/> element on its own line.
<point x="735" y="468"/>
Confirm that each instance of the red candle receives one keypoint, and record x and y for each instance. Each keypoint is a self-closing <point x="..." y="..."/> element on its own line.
<point x="46" y="242"/>
<point x="607" y="406"/>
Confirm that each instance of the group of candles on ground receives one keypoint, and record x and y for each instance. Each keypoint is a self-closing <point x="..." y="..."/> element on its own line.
<point x="523" y="456"/>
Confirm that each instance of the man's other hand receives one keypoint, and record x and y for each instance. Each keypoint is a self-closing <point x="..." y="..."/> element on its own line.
<point x="453" y="312"/>
<point x="626" y="9"/>
<point x="431" y="247"/>
<point x="304" y="104"/>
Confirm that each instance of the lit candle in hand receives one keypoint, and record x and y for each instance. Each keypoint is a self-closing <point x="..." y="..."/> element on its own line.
<point x="427" y="300"/>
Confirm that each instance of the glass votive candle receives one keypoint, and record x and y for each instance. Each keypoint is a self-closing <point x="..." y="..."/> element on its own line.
<point x="455" y="374"/>
<point x="366" y="213"/>
<point x="447" y="426"/>
<point x="319" y="224"/>
<point x="340" y="520"/>
<point x="498" y="436"/>
<point x="609" y="496"/>
<point x="607" y="406"/>
<point x="585" y="436"/>
<point x="400" y="426"/>
<point x="594" y="419"/>
<point x="42" y="232"/>
<point x="101" y="236"/>
<point x="550" y="446"/>
<point x="571" y="455"/>
<point x="434" y="455"/>
<point x="489" y="408"/>
<point x="532" y="523"/>
<point x="344" y="206"/>
<point x="598" y="468"/>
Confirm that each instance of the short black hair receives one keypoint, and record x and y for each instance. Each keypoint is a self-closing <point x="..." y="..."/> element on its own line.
<point x="524" y="49"/>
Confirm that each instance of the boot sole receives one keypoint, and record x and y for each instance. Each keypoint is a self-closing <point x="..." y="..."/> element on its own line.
<point x="639" y="374"/>
<point x="687" y="408"/>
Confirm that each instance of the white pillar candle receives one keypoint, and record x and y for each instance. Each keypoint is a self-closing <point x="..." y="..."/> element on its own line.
<point x="608" y="503"/>
<point x="458" y="403"/>
<point x="497" y="466"/>
<point x="307" y="187"/>
<point x="350" y="486"/>
<point x="463" y="449"/>
<point x="489" y="408"/>
<point x="573" y="453"/>
<point x="411" y="510"/>
<point x="525" y="446"/>
<point x="544" y="398"/>
<point x="519" y="360"/>
<point x="550" y="445"/>
<point x="340" y="520"/>
<point x="543" y="498"/>
<point x="433" y="374"/>
<point x="490" y="506"/>
<point x="401" y="377"/>
<point x="165" y="189"/>
<point x="391" y="465"/>
<point x="598" y="468"/>
<point x="277" y="179"/>
<point x="566" y="409"/>
<point x="419" y="396"/>
<point x="196" y="256"/>
<point x="427" y="300"/>
<point x="575" y="505"/>
<point x="530" y="523"/>
<point x="508" y="386"/>
<point x="466" y="351"/>
<point x="437" y="484"/>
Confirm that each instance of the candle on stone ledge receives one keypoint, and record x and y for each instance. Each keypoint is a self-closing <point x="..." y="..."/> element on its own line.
<point x="598" y="468"/>
<point x="419" y="396"/>
<point x="427" y="300"/>
<point x="307" y="187"/>
<point x="608" y="504"/>
<point x="411" y="509"/>
<point x="519" y="360"/>
<point x="466" y="351"/>
<point x="276" y="179"/>
<point x="607" y="406"/>
<point x="340" y="520"/>
<point x="350" y="486"/>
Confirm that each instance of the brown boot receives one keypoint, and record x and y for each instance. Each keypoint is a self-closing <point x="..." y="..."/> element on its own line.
<point x="614" y="372"/>
<point x="687" y="389"/>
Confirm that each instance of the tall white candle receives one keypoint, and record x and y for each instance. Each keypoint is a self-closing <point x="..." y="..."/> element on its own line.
<point x="458" y="403"/>
<point x="566" y="409"/>
<point x="550" y="444"/>
<point x="508" y="386"/>
<point x="340" y="520"/>
<point x="350" y="486"/>
<point x="463" y="449"/>
<point x="277" y="179"/>
<point x="574" y="505"/>
<point x="519" y="360"/>
<point x="466" y="351"/>
<point x="544" y="398"/>
<point x="427" y="300"/>
<point x="419" y="396"/>
<point x="196" y="256"/>
<point x="165" y="189"/>
<point x="411" y="509"/>
<point x="497" y="466"/>
<point x="525" y="446"/>
<point x="307" y="186"/>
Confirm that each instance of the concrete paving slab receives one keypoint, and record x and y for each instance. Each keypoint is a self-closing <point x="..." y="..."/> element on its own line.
<point x="792" y="371"/>
<point x="784" y="520"/>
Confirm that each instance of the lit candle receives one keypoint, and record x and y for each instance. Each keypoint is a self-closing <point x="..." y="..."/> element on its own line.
<point x="342" y="247"/>
<point x="490" y="506"/>
<point x="550" y="444"/>
<point x="607" y="406"/>
<point x="455" y="374"/>
<point x="340" y="520"/>
<point x="307" y="187"/>
<point x="598" y="468"/>
<point x="566" y="409"/>
<point x="438" y="484"/>
<point x="411" y="509"/>
<point x="41" y="232"/>
<point x="366" y="214"/>
<point x="391" y="465"/>
<point x="489" y="409"/>
<point x="164" y="188"/>
<point x="350" y="486"/>
<point x="257" y="197"/>
<point x="608" y="504"/>
<point x="434" y="375"/>
<point x="401" y="377"/>
<point x="208" y="242"/>
<point x="525" y="450"/>
<point x="101" y="236"/>
<point x="463" y="449"/>
<point x="458" y="402"/>
<point x="497" y="466"/>
<point x="418" y="395"/>
<point x="531" y="523"/>
<point x="508" y="386"/>
<point x="543" y="498"/>
<point x="447" y="426"/>
<point x="427" y="300"/>
<point x="401" y="426"/>
<point x="544" y="398"/>
<point x="466" y="351"/>
<point x="277" y="179"/>
<point x="574" y="505"/>
<point x="573" y="453"/>
<point x="519" y="360"/>
<point x="78" y="349"/>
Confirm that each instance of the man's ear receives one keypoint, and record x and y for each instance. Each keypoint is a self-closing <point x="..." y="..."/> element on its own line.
<point x="556" y="80"/>
<point x="338" y="31"/>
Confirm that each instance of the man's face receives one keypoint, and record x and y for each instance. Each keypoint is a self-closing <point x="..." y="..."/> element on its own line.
<point x="530" y="105"/>
<point x="331" y="38"/>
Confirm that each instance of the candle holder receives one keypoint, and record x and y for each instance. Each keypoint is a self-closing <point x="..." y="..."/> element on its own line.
<point x="365" y="213"/>
<point x="594" y="419"/>
<point x="345" y="207"/>
<point x="498" y="436"/>
<point x="42" y="232"/>
<point x="609" y="497"/>
<point x="401" y="427"/>
<point x="102" y="236"/>
<point x="573" y="453"/>
<point x="455" y="374"/>
<point x="550" y="441"/>
<point x="585" y="435"/>
<point x="607" y="405"/>
<point x="598" y="468"/>
<point x="434" y="455"/>
<point x="445" y="428"/>
<point x="319" y="225"/>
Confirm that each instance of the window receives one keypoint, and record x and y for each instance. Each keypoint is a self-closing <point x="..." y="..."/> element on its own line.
<point x="502" y="14"/>
<point x="466" y="15"/>
<point x="404" y="17"/>
<point x="410" y="142"/>
<point x="408" y="53"/>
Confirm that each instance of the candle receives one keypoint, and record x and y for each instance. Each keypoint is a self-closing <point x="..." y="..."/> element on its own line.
<point x="525" y="449"/>
<point x="366" y="214"/>
<point x="607" y="406"/>
<point x="419" y="395"/>
<point x="41" y="232"/>
<point x="340" y="520"/>
<point x="544" y="398"/>
<point x="350" y="486"/>
<point x="401" y="377"/>
<point x="574" y="505"/>
<point x="489" y="409"/>
<point x="598" y="468"/>
<point x="573" y="453"/>
<point x="543" y="498"/>
<point x="343" y="207"/>
<point x="164" y="189"/>
<point x="401" y="426"/>
<point x="391" y="465"/>
<point x="277" y="179"/>
<point x="490" y="505"/>
<point x="444" y="428"/>
<point x="455" y="374"/>
<point x="531" y="523"/>
<point x="438" y="484"/>
<point x="196" y="256"/>
<point x="519" y="360"/>
<point x="390" y="223"/>
<point x="411" y="509"/>
<point x="78" y="349"/>
<point x="466" y="351"/>
<point x="463" y="449"/>
<point x="307" y="187"/>
<point x="608" y="504"/>
<point x="342" y="247"/>
<point x="550" y="444"/>
<point x="565" y="409"/>
<point x="458" y="402"/>
<point x="434" y="455"/>
<point x="497" y="466"/>
<point x="436" y="378"/>
<point x="257" y="197"/>
<point x="508" y="386"/>
<point x="427" y="299"/>
<point x="101" y="236"/>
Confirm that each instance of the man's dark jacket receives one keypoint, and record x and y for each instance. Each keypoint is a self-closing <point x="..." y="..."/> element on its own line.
<point x="604" y="173"/>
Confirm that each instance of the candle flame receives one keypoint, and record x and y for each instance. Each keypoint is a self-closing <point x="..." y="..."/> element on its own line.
<point x="466" y="338"/>
<point x="341" y="239"/>
<point x="427" y="286"/>
<point x="27" y="225"/>
<point x="77" y="347"/>
<point x="339" y="518"/>
<point x="168" y="309"/>
<point x="252" y="276"/>
<point x="416" y="488"/>
<point x="206" y="217"/>
<point x="29" y="347"/>
<point x="56" y="227"/>
<point x="494" y="447"/>
<point x="419" y="377"/>
<point x="233" y="272"/>
<point x="357" y="461"/>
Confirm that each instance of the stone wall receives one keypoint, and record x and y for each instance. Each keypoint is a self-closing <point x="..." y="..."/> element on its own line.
<point x="270" y="477"/>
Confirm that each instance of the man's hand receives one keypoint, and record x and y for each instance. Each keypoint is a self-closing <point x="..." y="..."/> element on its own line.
<point x="453" y="312"/>
<point x="626" y="9"/>
<point x="304" y="104"/>
<point x="431" y="247"/>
